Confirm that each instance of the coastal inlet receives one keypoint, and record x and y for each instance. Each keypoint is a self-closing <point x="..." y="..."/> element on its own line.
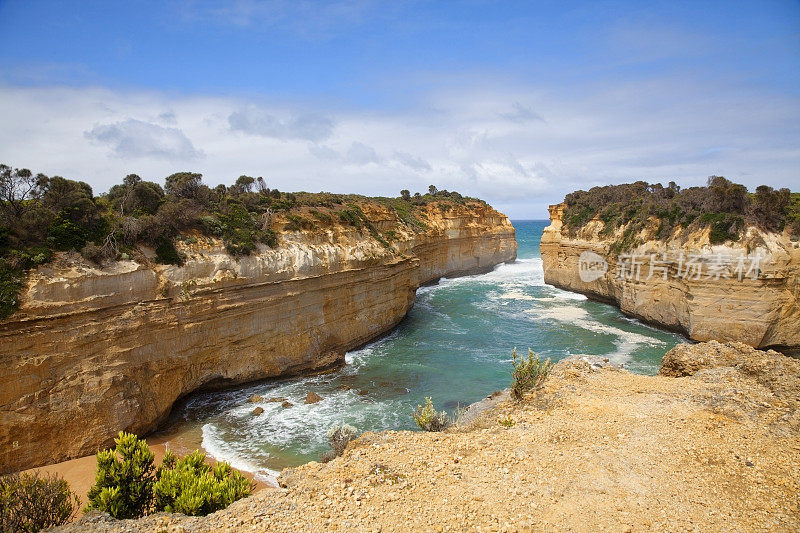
<point x="454" y="345"/>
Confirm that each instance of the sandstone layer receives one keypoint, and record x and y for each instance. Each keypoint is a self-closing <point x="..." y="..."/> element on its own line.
<point x="94" y="351"/>
<point x="595" y="449"/>
<point x="747" y="291"/>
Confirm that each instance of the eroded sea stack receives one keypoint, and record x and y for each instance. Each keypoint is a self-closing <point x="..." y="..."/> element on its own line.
<point x="746" y="291"/>
<point x="94" y="351"/>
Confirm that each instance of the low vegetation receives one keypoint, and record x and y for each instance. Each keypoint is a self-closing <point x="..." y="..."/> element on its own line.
<point x="41" y="215"/>
<point x="124" y="479"/>
<point x="428" y="418"/>
<point x="30" y="502"/>
<point x="723" y="206"/>
<point x="192" y="487"/>
<point x="507" y="422"/>
<point x="527" y="374"/>
<point x="128" y="485"/>
<point x="339" y="437"/>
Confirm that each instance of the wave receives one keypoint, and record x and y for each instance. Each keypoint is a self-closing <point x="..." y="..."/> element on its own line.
<point x="626" y="341"/>
<point x="221" y="450"/>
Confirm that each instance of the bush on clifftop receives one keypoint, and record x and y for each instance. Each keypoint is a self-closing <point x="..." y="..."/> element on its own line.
<point x="192" y="487"/>
<point x="724" y="207"/>
<point x="124" y="479"/>
<point x="30" y="503"/>
<point x="527" y="374"/>
<point x="127" y="484"/>
<point x="38" y="212"/>
<point x="427" y="418"/>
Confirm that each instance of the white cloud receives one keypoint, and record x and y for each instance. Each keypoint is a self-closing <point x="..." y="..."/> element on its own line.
<point x="361" y="154"/>
<point x="458" y="140"/>
<point x="326" y="153"/>
<point x="133" y="138"/>
<point x="256" y="121"/>
<point x="411" y="161"/>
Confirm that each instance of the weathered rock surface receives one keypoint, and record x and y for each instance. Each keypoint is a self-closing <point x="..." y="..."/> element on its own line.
<point x="716" y="305"/>
<point x="313" y="397"/>
<point x="94" y="351"/>
<point x="596" y="449"/>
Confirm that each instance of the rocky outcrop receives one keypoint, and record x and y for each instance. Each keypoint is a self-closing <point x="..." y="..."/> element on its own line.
<point x="747" y="291"/>
<point x="94" y="351"/>
<point x="595" y="449"/>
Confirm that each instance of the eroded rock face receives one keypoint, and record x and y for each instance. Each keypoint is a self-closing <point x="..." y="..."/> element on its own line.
<point x="93" y="351"/>
<point x="717" y="304"/>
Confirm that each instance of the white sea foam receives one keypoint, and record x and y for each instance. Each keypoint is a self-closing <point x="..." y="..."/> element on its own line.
<point x="522" y="272"/>
<point x="222" y="450"/>
<point x="626" y="341"/>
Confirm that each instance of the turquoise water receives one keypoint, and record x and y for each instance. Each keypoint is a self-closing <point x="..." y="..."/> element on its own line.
<point x="455" y="346"/>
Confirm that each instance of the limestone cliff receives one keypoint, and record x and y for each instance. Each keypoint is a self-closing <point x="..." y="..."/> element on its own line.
<point x="93" y="351"/>
<point x="747" y="291"/>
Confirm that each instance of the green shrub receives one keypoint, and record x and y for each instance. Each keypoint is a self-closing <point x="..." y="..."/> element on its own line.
<point x="66" y="235"/>
<point x="325" y="218"/>
<point x="339" y="437"/>
<point x="30" y="503"/>
<point x="351" y="215"/>
<point x="11" y="283"/>
<point x="166" y="253"/>
<point x="428" y="419"/>
<point x="269" y="237"/>
<point x="528" y="373"/>
<point x="124" y="479"/>
<point x="724" y="227"/>
<point x="296" y="223"/>
<point x="192" y="487"/>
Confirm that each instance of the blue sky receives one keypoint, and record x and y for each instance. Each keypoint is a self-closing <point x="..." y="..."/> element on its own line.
<point x="515" y="102"/>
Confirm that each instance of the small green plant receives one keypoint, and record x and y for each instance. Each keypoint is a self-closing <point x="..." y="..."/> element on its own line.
<point x="192" y="487"/>
<point x="30" y="503"/>
<point x="386" y="475"/>
<point x="428" y="419"/>
<point x="528" y="373"/>
<point x="339" y="437"/>
<point x="123" y="484"/>
<point x="507" y="422"/>
<point x="186" y="289"/>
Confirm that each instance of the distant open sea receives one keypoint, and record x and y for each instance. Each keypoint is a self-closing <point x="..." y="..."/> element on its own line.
<point x="454" y="345"/>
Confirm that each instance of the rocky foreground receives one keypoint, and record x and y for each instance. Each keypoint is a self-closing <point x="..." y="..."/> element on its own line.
<point x="710" y="444"/>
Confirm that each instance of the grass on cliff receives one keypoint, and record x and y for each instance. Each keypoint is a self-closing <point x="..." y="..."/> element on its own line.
<point x="527" y="374"/>
<point x="40" y="215"/>
<point x="428" y="418"/>
<point x="726" y="208"/>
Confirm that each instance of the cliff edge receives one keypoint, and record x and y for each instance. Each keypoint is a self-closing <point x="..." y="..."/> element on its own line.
<point x="746" y="291"/>
<point x="93" y="351"/>
<point x="596" y="448"/>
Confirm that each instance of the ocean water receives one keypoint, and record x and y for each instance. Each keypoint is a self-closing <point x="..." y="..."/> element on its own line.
<point x="455" y="346"/>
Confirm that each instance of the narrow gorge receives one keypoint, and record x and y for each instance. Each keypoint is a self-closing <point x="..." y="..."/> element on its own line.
<point x="93" y="351"/>
<point x="745" y="290"/>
